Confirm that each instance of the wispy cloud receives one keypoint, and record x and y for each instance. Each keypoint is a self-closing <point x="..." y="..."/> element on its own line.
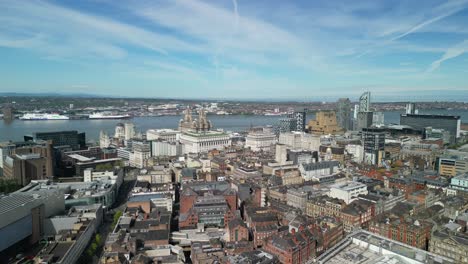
<point x="302" y="46"/>
<point x="451" y="53"/>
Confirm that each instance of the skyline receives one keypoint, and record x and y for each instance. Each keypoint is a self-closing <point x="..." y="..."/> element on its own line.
<point x="235" y="49"/>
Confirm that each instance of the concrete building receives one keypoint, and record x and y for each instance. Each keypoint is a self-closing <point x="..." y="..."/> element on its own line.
<point x="260" y="139"/>
<point x="160" y="148"/>
<point x="119" y="132"/>
<point x="169" y="135"/>
<point x="322" y="171"/>
<point x="378" y="119"/>
<point x="22" y="215"/>
<point x="347" y="191"/>
<point x="27" y="160"/>
<point x="364" y="246"/>
<point x="343" y="114"/>
<point x="299" y="140"/>
<point x="104" y="189"/>
<point x="104" y="139"/>
<point x="364" y="120"/>
<point x="129" y="131"/>
<point x="195" y="142"/>
<point x="141" y="154"/>
<point x="301" y="156"/>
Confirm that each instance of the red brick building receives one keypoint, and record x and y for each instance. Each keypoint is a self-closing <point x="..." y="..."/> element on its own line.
<point x="237" y="231"/>
<point x="293" y="248"/>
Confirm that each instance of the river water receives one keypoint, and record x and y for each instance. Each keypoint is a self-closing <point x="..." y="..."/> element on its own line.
<point x="17" y="129"/>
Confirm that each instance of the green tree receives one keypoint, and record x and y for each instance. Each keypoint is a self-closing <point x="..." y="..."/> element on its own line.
<point x="98" y="239"/>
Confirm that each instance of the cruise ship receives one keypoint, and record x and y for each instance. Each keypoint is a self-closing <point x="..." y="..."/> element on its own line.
<point x="42" y="116"/>
<point x="107" y="116"/>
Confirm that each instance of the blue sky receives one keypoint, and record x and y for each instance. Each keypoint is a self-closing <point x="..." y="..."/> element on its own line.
<point x="234" y="49"/>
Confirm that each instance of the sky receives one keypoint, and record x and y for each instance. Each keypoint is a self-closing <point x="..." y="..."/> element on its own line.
<point x="236" y="49"/>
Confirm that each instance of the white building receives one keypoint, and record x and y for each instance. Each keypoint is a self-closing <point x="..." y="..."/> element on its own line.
<point x="129" y="131"/>
<point x="357" y="151"/>
<point x="89" y="175"/>
<point x="169" y="135"/>
<point x="166" y="148"/>
<point x="347" y="191"/>
<point x="104" y="139"/>
<point x="119" y="131"/>
<point x="158" y="174"/>
<point x="260" y="139"/>
<point x="300" y="140"/>
<point x="319" y="171"/>
<point x="140" y="155"/>
<point x="196" y="142"/>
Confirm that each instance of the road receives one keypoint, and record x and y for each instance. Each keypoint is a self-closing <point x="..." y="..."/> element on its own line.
<point x="119" y="205"/>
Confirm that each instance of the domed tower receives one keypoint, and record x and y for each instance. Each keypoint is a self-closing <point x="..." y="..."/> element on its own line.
<point x="185" y="123"/>
<point x="203" y="123"/>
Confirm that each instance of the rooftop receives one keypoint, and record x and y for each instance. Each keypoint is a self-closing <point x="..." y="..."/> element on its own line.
<point x="365" y="247"/>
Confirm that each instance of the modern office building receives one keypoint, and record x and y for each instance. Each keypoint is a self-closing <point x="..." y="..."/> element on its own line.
<point x="300" y="120"/>
<point x="411" y="109"/>
<point x="378" y="119"/>
<point x="364" y="120"/>
<point x="363" y="114"/>
<point x="453" y="163"/>
<point x="343" y="113"/>
<point x="364" y="102"/>
<point x="285" y="125"/>
<point x="61" y="138"/>
<point x="374" y="146"/>
<point x="460" y="183"/>
<point x="421" y="122"/>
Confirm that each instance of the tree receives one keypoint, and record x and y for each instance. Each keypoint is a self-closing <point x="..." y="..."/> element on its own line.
<point x="98" y="239"/>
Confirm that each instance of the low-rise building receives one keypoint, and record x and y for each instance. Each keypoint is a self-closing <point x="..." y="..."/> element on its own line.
<point x="347" y="191"/>
<point x="363" y="245"/>
<point x="319" y="171"/>
<point x="449" y="244"/>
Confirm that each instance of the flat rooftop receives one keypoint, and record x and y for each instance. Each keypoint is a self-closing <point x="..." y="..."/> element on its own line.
<point x="365" y="247"/>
